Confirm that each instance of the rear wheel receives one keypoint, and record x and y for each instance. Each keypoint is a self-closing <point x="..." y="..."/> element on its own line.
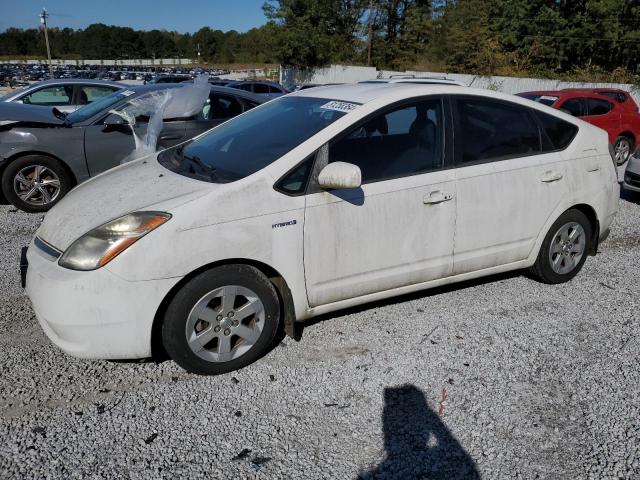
<point x="221" y="320"/>
<point x="564" y="249"/>
<point x="622" y="149"/>
<point x="35" y="183"/>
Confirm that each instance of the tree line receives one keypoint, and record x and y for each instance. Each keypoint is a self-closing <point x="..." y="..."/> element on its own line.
<point x="548" y="38"/>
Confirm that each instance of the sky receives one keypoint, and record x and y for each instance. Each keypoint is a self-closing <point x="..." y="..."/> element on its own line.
<point x="182" y="15"/>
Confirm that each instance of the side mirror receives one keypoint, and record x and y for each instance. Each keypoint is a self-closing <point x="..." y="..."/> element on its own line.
<point x="114" y="120"/>
<point x="340" y="175"/>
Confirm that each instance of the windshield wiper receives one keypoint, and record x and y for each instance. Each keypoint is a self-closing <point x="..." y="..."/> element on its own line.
<point x="205" y="169"/>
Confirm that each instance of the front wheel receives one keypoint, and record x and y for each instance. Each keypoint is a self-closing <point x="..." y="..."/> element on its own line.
<point x="221" y="320"/>
<point x="35" y="183"/>
<point x="622" y="149"/>
<point x="564" y="249"/>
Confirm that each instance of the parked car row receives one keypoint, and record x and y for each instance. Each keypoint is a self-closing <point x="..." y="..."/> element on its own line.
<point x="322" y="199"/>
<point x="259" y="87"/>
<point x="18" y="73"/>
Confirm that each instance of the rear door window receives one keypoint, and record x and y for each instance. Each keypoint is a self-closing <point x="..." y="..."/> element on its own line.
<point x="221" y="107"/>
<point x="90" y="93"/>
<point x="260" y="88"/>
<point x="574" y="106"/>
<point x="490" y="130"/>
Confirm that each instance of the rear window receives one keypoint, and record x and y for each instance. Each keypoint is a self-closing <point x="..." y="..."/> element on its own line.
<point x="547" y="100"/>
<point x="598" y="107"/>
<point x="558" y="132"/>
<point x="617" y="96"/>
<point x="574" y="106"/>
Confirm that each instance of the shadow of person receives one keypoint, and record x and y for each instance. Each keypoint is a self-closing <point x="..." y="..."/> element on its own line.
<point x="417" y="444"/>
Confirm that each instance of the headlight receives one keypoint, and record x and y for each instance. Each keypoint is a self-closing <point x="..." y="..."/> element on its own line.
<point x="102" y="244"/>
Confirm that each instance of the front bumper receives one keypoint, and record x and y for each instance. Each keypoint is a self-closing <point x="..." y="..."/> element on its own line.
<point x="93" y="314"/>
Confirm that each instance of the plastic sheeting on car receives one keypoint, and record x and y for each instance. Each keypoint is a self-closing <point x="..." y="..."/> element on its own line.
<point x="183" y="102"/>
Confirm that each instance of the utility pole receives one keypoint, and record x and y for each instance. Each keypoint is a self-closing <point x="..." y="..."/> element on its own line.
<point x="198" y="53"/>
<point x="43" y="20"/>
<point x="370" y="39"/>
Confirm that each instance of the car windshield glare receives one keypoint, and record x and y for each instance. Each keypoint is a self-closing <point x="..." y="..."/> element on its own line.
<point x="250" y="142"/>
<point x="93" y="108"/>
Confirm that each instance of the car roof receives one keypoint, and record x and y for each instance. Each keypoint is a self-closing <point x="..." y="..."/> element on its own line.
<point x="423" y="80"/>
<point x="83" y="81"/>
<point x="366" y="92"/>
<point x="149" y="87"/>
<point x="569" y="93"/>
<point x="239" y="93"/>
<point x="594" y="90"/>
<point x="263" y="82"/>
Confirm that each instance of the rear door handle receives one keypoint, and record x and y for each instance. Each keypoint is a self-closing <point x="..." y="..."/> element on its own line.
<point x="593" y="169"/>
<point x="170" y="137"/>
<point x="436" y="197"/>
<point x="551" y="176"/>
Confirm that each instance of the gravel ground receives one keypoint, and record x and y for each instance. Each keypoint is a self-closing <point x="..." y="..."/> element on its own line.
<point x="501" y="378"/>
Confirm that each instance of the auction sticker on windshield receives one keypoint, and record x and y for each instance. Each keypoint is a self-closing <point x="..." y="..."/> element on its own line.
<point x="339" y="106"/>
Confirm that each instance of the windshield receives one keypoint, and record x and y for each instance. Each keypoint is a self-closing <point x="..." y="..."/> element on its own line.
<point x="544" y="99"/>
<point x="93" y="108"/>
<point x="252" y="141"/>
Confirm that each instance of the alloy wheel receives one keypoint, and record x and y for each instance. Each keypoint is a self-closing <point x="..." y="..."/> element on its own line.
<point x="622" y="150"/>
<point x="225" y="323"/>
<point x="37" y="185"/>
<point x="567" y="248"/>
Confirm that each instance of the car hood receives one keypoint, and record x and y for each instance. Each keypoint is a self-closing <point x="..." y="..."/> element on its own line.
<point x="139" y="185"/>
<point x="17" y="112"/>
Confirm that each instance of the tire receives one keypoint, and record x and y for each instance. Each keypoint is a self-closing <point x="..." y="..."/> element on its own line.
<point x="206" y="329"/>
<point x="623" y="148"/>
<point x="561" y="257"/>
<point x="35" y="183"/>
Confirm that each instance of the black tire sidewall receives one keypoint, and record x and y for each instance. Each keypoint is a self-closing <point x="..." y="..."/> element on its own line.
<point x="175" y="318"/>
<point x="16" y="165"/>
<point x="543" y="265"/>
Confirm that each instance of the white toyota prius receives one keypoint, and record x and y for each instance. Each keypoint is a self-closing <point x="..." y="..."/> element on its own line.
<point x="320" y="200"/>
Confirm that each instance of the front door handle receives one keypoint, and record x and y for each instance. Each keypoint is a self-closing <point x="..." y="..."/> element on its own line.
<point x="551" y="176"/>
<point x="436" y="197"/>
<point x="593" y="168"/>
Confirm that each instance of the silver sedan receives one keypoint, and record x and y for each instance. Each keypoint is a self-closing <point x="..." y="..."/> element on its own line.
<point x="66" y="95"/>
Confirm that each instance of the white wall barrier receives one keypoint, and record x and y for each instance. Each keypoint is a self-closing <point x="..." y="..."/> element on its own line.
<point x="350" y="74"/>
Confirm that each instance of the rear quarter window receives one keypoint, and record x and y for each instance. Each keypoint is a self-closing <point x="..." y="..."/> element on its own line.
<point x="559" y="133"/>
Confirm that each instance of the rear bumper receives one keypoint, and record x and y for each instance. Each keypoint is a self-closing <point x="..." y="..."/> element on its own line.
<point x="93" y="314"/>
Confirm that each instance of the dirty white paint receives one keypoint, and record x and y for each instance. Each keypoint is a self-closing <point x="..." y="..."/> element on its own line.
<point x="340" y="175"/>
<point x="333" y="248"/>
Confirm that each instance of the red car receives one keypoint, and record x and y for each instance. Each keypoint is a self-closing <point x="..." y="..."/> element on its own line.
<point x="608" y="108"/>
